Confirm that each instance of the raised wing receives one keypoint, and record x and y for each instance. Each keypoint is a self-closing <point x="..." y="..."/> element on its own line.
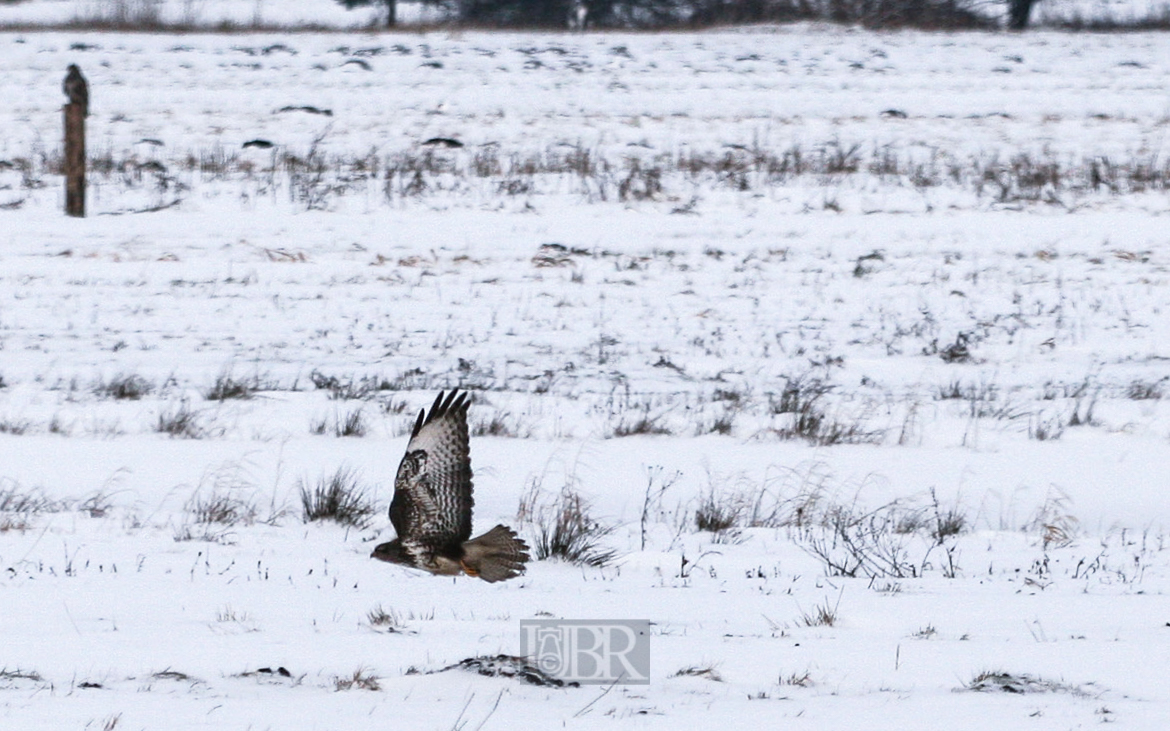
<point x="431" y="509"/>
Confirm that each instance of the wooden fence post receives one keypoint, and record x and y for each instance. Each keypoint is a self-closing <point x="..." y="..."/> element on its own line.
<point x="76" y="111"/>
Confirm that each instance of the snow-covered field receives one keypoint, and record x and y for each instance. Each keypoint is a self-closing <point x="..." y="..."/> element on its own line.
<point x="934" y="318"/>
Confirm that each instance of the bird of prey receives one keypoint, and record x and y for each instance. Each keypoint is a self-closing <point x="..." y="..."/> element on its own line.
<point x="77" y="89"/>
<point x="431" y="509"/>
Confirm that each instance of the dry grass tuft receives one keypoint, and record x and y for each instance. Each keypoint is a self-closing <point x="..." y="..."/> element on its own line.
<point x="180" y="422"/>
<point x="360" y="679"/>
<point x="339" y="497"/>
<point x="821" y="615"/>
<point x="707" y="672"/>
<point x="564" y="528"/>
<point x="124" y="386"/>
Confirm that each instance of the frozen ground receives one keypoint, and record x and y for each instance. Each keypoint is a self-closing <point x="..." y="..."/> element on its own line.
<point x="937" y="338"/>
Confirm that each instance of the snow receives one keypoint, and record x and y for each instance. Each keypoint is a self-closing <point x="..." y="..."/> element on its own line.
<point x="571" y="313"/>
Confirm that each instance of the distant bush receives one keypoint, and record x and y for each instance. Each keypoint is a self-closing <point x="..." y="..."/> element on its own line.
<point x="936" y="14"/>
<point x="929" y="14"/>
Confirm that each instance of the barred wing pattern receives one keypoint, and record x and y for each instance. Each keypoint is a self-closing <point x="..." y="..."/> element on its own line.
<point x="431" y="509"/>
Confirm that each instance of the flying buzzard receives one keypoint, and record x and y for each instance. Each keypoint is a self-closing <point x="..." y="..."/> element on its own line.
<point x="76" y="88"/>
<point x="431" y="509"/>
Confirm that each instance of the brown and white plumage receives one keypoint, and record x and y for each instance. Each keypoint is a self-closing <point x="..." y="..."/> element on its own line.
<point x="431" y="509"/>
<point x="76" y="88"/>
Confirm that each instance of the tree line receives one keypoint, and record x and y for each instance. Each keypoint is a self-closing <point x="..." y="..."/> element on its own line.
<point x="581" y="14"/>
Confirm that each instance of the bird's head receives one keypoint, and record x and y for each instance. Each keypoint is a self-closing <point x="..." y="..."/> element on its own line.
<point x="392" y="552"/>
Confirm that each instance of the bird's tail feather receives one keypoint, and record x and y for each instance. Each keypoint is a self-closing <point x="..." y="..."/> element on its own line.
<point x="495" y="556"/>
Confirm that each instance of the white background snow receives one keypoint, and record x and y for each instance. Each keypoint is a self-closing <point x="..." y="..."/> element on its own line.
<point x="574" y="310"/>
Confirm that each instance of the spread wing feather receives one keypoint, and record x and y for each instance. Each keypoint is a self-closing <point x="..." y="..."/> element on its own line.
<point x="431" y="509"/>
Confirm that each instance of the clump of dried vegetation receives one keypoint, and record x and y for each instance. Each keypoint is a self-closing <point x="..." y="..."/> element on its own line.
<point x="803" y="403"/>
<point x="19" y="505"/>
<point x="317" y="180"/>
<point x="563" y="527"/>
<point x="339" y="497"/>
